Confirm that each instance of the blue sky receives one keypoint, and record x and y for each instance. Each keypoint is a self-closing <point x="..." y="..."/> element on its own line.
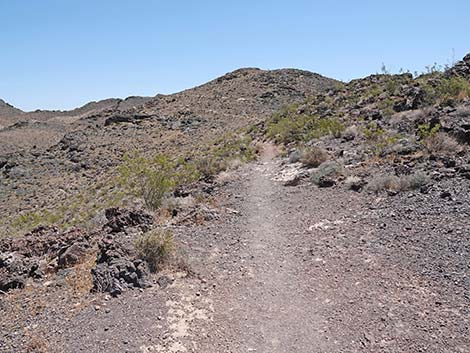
<point x="61" y="54"/>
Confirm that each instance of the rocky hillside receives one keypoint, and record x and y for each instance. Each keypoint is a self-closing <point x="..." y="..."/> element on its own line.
<point x="47" y="164"/>
<point x="43" y="128"/>
<point x="350" y="189"/>
<point x="7" y="112"/>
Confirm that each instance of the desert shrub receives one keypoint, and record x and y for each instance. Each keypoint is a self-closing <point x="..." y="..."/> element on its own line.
<point x="328" y="169"/>
<point x="155" y="247"/>
<point x="350" y="133"/>
<point x="208" y="166"/>
<point x="446" y="90"/>
<point x="228" y="151"/>
<point x="285" y="128"/>
<point x="292" y="126"/>
<point x="153" y="178"/>
<point x="378" y="139"/>
<point x="392" y="86"/>
<point x="396" y="183"/>
<point x="454" y="88"/>
<point x="426" y="130"/>
<point x="326" y="126"/>
<point x="375" y="91"/>
<point x="441" y="143"/>
<point x="313" y="156"/>
<point x="386" y="107"/>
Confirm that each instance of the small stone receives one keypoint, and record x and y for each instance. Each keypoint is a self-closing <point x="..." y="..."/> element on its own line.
<point x="445" y="195"/>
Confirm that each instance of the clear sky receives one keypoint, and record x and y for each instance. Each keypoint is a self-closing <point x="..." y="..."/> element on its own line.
<point x="61" y="54"/>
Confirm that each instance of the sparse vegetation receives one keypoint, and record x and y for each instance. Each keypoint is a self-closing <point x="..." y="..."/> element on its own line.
<point x="223" y="153"/>
<point x="454" y="88"/>
<point x="289" y="125"/>
<point x="378" y="138"/>
<point x="155" y="247"/>
<point x="446" y="91"/>
<point x="154" y="178"/>
<point x="328" y="169"/>
<point x="313" y="156"/>
<point x="436" y="141"/>
<point x="426" y="130"/>
<point x="441" y="143"/>
<point x="398" y="183"/>
<point x="29" y="220"/>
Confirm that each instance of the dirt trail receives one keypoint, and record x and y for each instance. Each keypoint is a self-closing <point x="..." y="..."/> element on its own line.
<point x="295" y="269"/>
<point x="312" y="270"/>
<point x="270" y="310"/>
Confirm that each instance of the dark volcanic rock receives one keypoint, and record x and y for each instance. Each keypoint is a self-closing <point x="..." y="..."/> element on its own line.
<point x="121" y="219"/>
<point x="462" y="68"/>
<point x="117" y="268"/>
<point x="43" y="249"/>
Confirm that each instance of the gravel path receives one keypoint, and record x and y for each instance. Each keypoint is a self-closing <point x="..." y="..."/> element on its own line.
<point x="302" y="269"/>
<point x="290" y="269"/>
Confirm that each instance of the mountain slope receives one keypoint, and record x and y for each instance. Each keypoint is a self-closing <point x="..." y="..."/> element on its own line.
<point x="73" y="154"/>
<point x="7" y="111"/>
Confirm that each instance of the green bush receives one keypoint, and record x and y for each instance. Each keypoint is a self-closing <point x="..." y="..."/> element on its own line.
<point x="29" y="220"/>
<point x="378" y="139"/>
<point x="156" y="177"/>
<point x="446" y="90"/>
<point x="153" y="178"/>
<point x="155" y="247"/>
<point x="454" y="88"/>
<point x="223" y="152"/>
<point x="425" y="130"/>
<point x="288" y="126"/>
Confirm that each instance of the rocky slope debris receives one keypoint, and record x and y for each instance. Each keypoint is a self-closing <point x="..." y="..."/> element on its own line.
<point x="43" y="252"/>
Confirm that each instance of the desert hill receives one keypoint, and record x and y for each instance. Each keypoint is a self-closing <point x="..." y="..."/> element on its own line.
<point x="270" y="211"/>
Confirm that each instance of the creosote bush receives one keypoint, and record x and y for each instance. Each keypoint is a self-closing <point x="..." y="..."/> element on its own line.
<point x="155" y="247"/>
<point x="426" y="130"/>
<point x="447" y="90"/>
<point x="457" y="88"/>
<point x="154" y="178"/>
<point x="289" y="125"/>
<point x="313" y="156"/>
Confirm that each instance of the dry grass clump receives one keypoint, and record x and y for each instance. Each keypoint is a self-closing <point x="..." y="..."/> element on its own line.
<point x="80" y="281"/>
<point x="36" y="344"/>
<point x="313" y="156"/>
<point x="396" y="183"/>
<point x="441" y="143"/>
<point x="155" y="247"/>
